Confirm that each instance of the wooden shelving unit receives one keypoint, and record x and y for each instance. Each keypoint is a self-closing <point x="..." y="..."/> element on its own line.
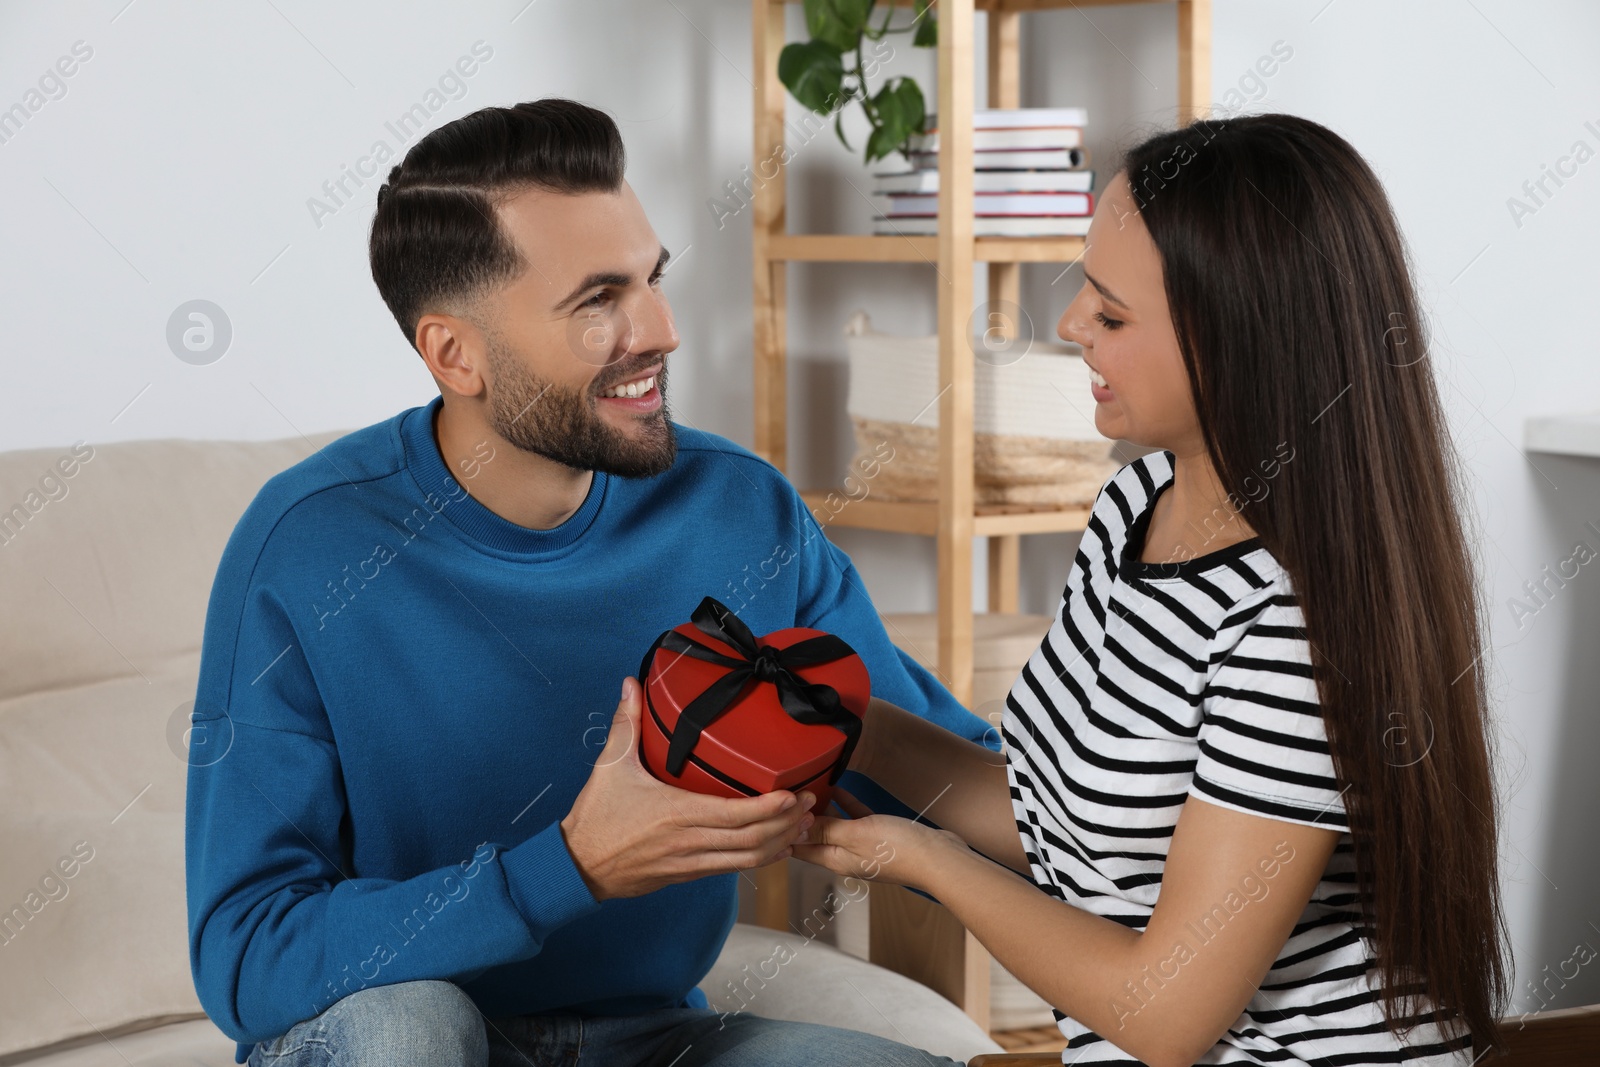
<point x="908" y="934"/>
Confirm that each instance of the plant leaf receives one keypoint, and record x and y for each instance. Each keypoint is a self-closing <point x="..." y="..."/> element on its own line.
<point x="813" y="72"/>
<point x="880" y="144"/>
<point x="927" y="35"/>
<point x="886" y="109"/>
<point x="837" y="22"/>
<point x="912" y="105"/>
<point x="854" y="13"/>
<point x="896" y="110"/>
<point x="839" y="129"/>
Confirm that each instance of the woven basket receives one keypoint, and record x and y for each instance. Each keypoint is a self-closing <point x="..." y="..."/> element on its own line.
<point x="1034" y="442"/>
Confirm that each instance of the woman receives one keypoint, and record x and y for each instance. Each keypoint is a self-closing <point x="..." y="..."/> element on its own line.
<point x="1246" y="775"/>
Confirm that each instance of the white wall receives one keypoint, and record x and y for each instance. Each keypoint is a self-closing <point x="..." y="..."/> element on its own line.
<point x="179" y="163"/>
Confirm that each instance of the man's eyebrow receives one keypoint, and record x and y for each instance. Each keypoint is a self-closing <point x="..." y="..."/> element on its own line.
<point x="1107" y="293"/>
<point x="610" y="277"/>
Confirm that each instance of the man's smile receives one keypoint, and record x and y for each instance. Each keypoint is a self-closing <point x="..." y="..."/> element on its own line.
<point x="636" y="394"/>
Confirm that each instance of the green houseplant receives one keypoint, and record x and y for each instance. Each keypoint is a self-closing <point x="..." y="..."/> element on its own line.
<point x="816" y="74"/>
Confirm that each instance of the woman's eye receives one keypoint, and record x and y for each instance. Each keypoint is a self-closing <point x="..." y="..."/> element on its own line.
<point x="1110" y="324"/>
<point x="597" y="299"/>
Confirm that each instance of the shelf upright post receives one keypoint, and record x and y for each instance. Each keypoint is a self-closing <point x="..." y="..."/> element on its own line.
<point x="1194" y="60"/>
<point x="769" y="221"/>
<point x="1005" y="286"/>
<point x="957" y="80"/>
<point x="771" y="340"/>
<point x="955" y="306"/>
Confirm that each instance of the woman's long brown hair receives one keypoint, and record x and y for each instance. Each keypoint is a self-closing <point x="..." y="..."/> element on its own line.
<point x="1292" y="299"/>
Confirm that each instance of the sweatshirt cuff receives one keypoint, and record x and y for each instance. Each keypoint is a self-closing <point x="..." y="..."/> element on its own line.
<point x="544" y="881"/>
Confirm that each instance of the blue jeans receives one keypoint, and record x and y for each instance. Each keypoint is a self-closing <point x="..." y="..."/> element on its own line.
<point x="435" y="1024"/>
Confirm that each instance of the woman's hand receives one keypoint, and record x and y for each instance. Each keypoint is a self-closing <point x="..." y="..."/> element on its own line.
<point x="956" y="783"/>
<point x="878" y="848"/>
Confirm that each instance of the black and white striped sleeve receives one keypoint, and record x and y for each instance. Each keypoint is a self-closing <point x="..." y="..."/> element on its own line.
<point x="1263" y="746"/>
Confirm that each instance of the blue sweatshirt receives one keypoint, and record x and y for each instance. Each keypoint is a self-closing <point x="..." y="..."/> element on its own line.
<point x="401" y="693"/>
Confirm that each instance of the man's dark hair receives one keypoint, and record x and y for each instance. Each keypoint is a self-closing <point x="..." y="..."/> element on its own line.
<point x="436" y="239"/>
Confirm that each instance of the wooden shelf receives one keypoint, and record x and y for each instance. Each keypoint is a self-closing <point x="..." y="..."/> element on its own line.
<point x="922" y="516"/>
<point x="878" y="248"/>
<point x="910" y="934"/>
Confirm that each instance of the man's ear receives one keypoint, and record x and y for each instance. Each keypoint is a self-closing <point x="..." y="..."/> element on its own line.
<point x="454" y="350"/>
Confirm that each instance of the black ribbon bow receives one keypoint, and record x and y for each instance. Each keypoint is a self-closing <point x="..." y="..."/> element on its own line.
<point x="803" y="701"/>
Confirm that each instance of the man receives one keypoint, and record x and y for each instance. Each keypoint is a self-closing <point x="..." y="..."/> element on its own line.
<point x="430" y="839"/>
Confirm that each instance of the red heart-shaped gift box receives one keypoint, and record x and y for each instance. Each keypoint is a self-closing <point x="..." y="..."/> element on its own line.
<point x="777" y="712"/>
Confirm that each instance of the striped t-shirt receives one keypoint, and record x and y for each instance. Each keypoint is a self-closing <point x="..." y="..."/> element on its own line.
<point x="1161" y="681"/>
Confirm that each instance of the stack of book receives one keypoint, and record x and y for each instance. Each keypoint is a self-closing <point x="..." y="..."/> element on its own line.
<point x="1031" y="177"/>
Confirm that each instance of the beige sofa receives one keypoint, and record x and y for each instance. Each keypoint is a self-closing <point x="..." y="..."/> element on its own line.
<point x="107" y="552"/>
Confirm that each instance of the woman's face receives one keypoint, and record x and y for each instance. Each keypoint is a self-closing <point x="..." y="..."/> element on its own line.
<point x="1120" y="318"/>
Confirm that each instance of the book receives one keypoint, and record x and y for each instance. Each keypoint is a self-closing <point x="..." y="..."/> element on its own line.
<point x="994" y="118"/>
<point x="1021" y="159"/>
<point x="989" y="181"/>
<point x="901" y="205"/>
<point x="1011" y="137"/>
<point x="996" y="226"/>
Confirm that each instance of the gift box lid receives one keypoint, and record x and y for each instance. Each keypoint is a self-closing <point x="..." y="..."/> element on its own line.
<point x="755" y="741"/>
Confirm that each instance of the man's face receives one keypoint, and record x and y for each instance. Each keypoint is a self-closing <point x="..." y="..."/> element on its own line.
<point x="585" y="326"/>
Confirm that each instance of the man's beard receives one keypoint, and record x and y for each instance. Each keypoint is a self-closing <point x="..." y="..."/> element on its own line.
<point x="563" y="424"/>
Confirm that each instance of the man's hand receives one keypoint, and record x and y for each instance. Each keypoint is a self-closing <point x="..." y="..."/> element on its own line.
<point x="630" y="834"/>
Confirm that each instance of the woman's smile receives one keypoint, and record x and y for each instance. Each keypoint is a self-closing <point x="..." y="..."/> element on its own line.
<point x="1098" y="387"/>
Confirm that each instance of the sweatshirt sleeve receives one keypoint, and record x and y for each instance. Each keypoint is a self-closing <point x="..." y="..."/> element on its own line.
<point x="280" y="927"/>
<point x="833" y="598"/>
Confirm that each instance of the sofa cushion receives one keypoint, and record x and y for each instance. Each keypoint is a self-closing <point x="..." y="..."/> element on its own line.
<point x="94" y="923"/>
<point x="810" y="982"/>
<point x="115" y="563"/>
<point x="787" y="976"/>
<point x="188" y="1043"/>
<point x="106" y="572"/>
